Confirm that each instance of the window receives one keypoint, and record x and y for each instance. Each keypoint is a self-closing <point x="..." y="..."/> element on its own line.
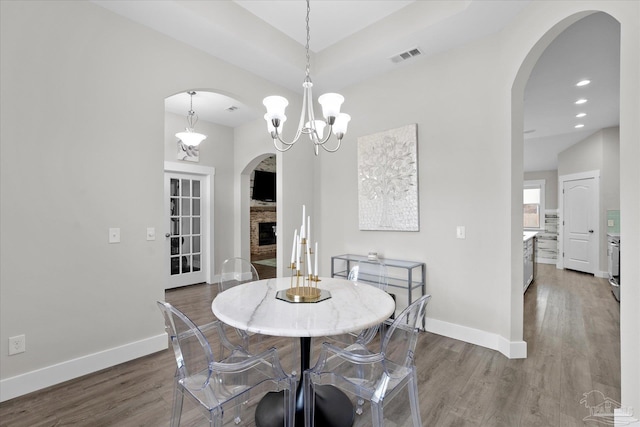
<point x="533" y="204"/>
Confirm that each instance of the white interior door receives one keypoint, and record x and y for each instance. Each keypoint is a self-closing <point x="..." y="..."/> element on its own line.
<point x="185" y="195"/>
<point x="580" y="216"/>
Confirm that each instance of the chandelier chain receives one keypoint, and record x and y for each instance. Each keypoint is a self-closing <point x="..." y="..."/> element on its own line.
<point x="308" y="39"/>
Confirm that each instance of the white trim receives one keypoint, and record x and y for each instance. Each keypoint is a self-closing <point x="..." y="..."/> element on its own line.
<point x="511" y="349"/>
<point x="74" y="368"/>
<point x="189" y="168"/>
<point x="552" y="261"/>
<point x="595" y="251"/>
<point x="208" y="173"/>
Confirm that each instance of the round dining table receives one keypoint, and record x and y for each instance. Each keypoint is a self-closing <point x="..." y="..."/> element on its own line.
<point x="258" y="307"/>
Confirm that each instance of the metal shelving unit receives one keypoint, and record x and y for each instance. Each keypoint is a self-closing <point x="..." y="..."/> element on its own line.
<point x="407" y="275"/>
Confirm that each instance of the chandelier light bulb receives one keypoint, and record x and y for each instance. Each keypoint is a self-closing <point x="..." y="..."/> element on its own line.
<point x="191" y="138"/>
<point x="270" y="128"/>
<point x="340" y="126"/>
<point x="330" y="103"/>
<point x="275" y="107"/>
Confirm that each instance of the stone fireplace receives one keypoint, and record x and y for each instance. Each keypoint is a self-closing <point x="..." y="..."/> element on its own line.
<point x="262" y="219"/>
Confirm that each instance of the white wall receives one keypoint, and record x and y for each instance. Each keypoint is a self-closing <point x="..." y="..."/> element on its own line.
<point x="82" y="150"/>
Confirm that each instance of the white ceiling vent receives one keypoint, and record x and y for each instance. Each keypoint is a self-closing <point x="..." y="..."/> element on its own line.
<point x="406" y="55"/>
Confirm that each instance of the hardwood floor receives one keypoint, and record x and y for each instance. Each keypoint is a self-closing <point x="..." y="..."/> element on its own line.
<point x="571" y="328"/>
<point x="264" y="271"/>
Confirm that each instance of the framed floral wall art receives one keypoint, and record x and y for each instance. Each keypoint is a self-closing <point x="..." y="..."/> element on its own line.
<point x="388" y="180"/>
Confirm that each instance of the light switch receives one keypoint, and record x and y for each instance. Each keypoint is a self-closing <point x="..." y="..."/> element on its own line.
<point x="610" y="223"/>
<point x="151" y="233"/>
<point x="114" y="235"/>
<point x="460" y="232"/>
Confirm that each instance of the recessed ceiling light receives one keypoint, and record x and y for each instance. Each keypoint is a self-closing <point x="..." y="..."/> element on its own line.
<point x="581" y="101"/>
<point x="578" y="126"/>
<point x="583" y="82"/>
<point x="581" y="115"/>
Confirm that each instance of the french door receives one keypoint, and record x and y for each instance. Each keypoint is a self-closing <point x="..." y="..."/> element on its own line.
<point x="186" y="197"/>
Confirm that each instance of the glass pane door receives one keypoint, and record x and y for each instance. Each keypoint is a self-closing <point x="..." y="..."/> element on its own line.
<point x="185" y="229"/>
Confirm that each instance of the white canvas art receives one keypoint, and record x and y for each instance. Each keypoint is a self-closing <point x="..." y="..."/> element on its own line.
<point x="189" y="153"/>
<point x="388" y="180"/>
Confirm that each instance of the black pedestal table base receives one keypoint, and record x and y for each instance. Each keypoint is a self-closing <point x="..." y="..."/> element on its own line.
<point x="333" y="407"/>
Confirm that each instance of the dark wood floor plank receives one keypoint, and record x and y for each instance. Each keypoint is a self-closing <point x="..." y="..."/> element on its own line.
<point x="571" y="326"/>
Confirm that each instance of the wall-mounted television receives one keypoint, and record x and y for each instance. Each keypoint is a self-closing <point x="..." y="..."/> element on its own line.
<point x="264" y="186"/>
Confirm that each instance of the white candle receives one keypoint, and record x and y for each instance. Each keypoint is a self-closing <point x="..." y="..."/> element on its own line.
<point x="309" y="230"/>
<point x="316" y="261"/>
<point x="309" y="258"/>
<point x="298" y="254"/>
<point x="302" y="228"/>
<point x="293" y="247"/>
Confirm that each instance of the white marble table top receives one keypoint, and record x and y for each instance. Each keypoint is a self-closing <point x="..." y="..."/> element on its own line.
<point x="254" y="307"/>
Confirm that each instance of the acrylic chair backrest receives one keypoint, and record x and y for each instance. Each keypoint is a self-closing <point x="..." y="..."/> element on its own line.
<point x="401" y="337"/>
<point x="374" y="273"/>
<point x="192" y="350"/>
<point x="236" y="271"/>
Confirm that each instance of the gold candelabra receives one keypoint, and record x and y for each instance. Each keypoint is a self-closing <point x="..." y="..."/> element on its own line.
<point x="305" y="288"/>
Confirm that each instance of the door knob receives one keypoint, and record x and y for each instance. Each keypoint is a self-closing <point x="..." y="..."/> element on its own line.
<point x="167" y="235"/>
<point x="590" y="231"/>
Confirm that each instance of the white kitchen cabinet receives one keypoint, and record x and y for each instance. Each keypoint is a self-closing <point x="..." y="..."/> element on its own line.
<point x="529" y="253"/>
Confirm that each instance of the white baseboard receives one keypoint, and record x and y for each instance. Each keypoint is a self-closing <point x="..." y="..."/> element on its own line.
<point x="55" y="374"/>
<point x="553" y="261"/>
<point x="511" y="349"/>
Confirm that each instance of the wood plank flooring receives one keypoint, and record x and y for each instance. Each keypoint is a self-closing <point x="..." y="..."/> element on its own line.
<point x="571" y="328"/>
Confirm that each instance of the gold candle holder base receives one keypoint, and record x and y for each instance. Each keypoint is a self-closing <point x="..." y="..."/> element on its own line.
<point x="307" y="295"/>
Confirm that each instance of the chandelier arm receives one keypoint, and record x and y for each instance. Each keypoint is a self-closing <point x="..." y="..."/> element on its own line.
<point x="326" y="138"/>
<point x="285" y="142"/>
<point x="330" y="150"/>
<point x="286" y="147"/>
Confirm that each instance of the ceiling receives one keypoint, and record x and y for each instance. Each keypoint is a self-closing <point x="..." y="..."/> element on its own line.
<point x="352" y="41"/>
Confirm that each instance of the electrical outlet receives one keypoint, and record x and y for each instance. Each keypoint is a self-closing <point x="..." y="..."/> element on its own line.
<point x="461" y="232"/>
<point x="17" y="345"/>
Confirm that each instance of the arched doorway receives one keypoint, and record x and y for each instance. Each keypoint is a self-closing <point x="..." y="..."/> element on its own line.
<point x="258" y="214"/>
<point x="518" y="131"/>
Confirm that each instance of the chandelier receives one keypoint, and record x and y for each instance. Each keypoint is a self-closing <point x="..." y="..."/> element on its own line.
<point x="189" y="137"/>
<point x="308" y="125"/>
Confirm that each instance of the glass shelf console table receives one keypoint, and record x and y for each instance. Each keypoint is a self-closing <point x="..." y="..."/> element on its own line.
<point x="406" y="275"/>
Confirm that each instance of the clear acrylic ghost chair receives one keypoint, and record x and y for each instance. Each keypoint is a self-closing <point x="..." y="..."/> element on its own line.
<point x="223" y="388"/>
<point x="375" y="377"/>
<point x="365" y="273"/>
<point x="234" y="272"/>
